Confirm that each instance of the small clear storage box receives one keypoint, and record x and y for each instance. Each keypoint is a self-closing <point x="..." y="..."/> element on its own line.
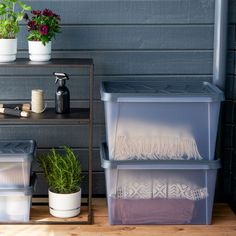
<point x="159" y="192"/>
<point x="161" y="119"/>
<point x="15" y="162"/>
<point x="15" y="203"/>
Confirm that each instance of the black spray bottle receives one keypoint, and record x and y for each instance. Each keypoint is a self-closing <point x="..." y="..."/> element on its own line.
<point x="62" y="96"/>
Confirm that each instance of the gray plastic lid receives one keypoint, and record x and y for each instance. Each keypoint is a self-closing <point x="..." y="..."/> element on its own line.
<point x="16" y="150"/>
<point x="155" y="164"/>
<point x="160" y="91"/>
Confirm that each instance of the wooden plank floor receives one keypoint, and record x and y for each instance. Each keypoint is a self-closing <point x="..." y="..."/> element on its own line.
<point x="224" y="223"/>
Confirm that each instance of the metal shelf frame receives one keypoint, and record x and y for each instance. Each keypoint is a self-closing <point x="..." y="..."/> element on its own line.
<point x="76" y="117"/>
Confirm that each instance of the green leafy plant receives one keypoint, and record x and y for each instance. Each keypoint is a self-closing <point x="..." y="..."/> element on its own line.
<point x="62" y="171"/>
<point x="43" y="25"/>
<point x="10" y="17"/>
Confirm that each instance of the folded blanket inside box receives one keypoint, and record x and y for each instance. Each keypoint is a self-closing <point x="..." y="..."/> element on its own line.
<point x="142" y="197"/>
<point x="148" y="185"/>
<point x="152" y="211"/>
<point x="144" y="141"/>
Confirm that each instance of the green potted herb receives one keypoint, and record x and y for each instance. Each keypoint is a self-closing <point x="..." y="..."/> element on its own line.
<point x="9" y="27"/>
<point x="42" y="27"/>
<point x="63" y="174"/>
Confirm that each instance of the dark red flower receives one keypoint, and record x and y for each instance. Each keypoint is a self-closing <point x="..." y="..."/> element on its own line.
<point x="32" y="25"/>
<point x="43" y="29"/>
<point x="36" y="12"/>
<point x="48" y="12"/>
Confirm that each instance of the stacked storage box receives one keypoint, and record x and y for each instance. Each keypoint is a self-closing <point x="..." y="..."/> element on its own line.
<point x="15" y="179"/>
<point x="159" y="164"/>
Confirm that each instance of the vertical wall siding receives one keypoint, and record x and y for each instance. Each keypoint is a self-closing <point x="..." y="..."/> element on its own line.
<point x="158" y="39"/>
<point x="229" y="119"/>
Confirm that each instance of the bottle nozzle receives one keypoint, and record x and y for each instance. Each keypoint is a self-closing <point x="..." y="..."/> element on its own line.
<point x="60" y="76"/>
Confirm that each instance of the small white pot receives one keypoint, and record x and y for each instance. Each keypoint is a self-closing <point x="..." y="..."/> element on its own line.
<point x="39" y="52"/>
<point x="8" y="50"/>
<point x="64" y="205"/>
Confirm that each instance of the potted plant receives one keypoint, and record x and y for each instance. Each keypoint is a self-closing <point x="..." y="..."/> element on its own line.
<point x="43" y="27"/>
<point x="63" y="174"/>
<point x="9" y="27"/>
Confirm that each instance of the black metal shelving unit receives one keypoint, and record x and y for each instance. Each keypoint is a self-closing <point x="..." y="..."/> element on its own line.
<point x="49" y="117"/>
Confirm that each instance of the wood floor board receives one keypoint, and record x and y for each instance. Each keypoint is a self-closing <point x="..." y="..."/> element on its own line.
<point x="223" y="224"/>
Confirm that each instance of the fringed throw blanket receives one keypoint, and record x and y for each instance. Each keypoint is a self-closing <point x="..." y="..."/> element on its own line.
<point x="160" y="143"/>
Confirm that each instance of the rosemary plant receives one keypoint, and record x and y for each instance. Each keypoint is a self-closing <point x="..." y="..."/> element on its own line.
<point x="63" y="172"/>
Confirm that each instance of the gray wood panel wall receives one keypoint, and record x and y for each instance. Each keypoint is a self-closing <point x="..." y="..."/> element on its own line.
<point x="131" y="39"/>
<point x="229" y="121"/>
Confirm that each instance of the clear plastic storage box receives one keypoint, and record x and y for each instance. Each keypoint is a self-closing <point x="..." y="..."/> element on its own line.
<point x="15" y="162"/>
<point x="161" y="119"/>
<point x="159" y="192"/>
<point x="15" y="204"/>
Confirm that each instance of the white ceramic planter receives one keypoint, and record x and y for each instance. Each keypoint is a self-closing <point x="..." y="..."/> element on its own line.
<point x="39" y="52"/>
<point x="64" y="205"/>
<point x="8" y="50"/>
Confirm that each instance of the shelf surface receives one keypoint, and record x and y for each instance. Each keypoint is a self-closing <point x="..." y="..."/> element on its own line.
<point x="40" y="214"/>
<point x="71" y="62"/>
<point x="49" y="117"/>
